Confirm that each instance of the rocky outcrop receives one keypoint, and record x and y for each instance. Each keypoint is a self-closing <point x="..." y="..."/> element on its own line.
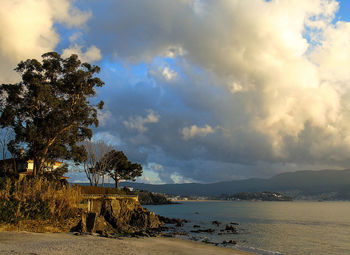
<point x="176" y="221"/>
<point x="123" y="216"/>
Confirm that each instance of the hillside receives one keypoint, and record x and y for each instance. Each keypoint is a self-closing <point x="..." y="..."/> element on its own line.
<point x="323" y="184"/>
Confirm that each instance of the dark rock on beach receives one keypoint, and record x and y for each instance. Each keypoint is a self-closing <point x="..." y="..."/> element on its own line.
<point x="176" y="221"/>
<point x="215" y="222"/>
<point x="233" y="242"/>
<point x="230" y="228"/>
<point x="209" y="230"/>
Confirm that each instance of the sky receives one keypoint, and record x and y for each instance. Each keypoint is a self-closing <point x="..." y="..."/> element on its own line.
<point x="200" y="90"/>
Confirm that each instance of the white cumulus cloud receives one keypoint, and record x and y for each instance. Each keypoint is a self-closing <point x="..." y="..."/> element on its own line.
<point x="194" y="130"/>
<point x="139" y="122"/>
<point x="91" y="54"/>
<point x="27" y="30"/>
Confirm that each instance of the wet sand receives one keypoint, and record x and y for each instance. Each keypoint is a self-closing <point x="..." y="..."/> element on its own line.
<point x="67" y="243"/>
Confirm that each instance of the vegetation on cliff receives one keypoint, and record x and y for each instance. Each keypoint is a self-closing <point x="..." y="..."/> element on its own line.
<point x="37" y="199"/>
<point x="145" y="197"/>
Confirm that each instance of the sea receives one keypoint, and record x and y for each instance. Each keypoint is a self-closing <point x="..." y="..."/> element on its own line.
<point x="269" y="228"/>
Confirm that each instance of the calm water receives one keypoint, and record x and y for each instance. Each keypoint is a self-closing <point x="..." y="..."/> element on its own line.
<point x="296" y="228"/>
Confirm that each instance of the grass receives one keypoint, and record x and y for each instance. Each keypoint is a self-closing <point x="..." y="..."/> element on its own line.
<point x="37" y="199"/>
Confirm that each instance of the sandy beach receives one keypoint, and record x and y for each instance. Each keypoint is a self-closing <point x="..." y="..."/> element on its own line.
<point x="67" y="243"/>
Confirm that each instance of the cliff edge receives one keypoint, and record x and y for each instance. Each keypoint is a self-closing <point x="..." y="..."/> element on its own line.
<point x="118" y="215"/>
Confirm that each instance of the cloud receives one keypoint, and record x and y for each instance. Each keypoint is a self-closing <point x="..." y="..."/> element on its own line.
<point x="193" y="131"/>
<point x="168" y="74"/>
<point x="271" y="74"/>
<point x="27" y="30"/>
<point x="257" y="87"/>
<point x="103" y="117"/>
<point x="91" y="54"/>
<point x="157" y="167"/>
<point x="139" y="122"/>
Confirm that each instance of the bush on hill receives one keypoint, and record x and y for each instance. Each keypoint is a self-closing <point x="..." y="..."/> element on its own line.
<point x="103" y="190"/>
<point x="37" y="199"/>
<point x="150" y="198"/>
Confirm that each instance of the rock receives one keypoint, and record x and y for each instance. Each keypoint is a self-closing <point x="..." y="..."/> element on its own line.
<point x="168" y="235"/>
<point x="227" y="233"/>
<point x="140" y="233"/>
<point x="234" y="223"/>
<point x="81" y="226"/>
<point x="110" y="216"/>
<point x="126" y="218"/>
<point x="196" y="226"/>
<point x="215" y="222"/>
<point x="193" y="238"/>
<point x="233" y="242"/>
<point x="196" y="213"/>
<point x="181" y="233"/>
<point x="230" y="228"/>
<point x="177" y="222"/>
<point x="209" y="230"/>
<point x="205" y="240"/>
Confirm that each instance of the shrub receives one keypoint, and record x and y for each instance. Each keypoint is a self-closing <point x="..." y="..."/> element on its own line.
<point x="36" y="199"/>
<point x="103" y="190"/>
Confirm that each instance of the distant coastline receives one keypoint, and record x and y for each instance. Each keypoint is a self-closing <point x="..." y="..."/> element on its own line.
<point x="325" y="185"/>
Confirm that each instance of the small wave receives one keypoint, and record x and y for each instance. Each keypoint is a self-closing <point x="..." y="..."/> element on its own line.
<point x="257" y="250"/>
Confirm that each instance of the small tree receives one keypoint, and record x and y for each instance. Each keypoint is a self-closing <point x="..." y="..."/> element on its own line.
<point x="120" y="168"/>
<point x="49" y="109"/>
<point x="95" y="164"/>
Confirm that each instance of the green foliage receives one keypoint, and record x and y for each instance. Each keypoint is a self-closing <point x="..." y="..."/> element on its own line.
<point x="49" y="109"/>
<point x="149" y="198"/>
<point x="120" y="168"/>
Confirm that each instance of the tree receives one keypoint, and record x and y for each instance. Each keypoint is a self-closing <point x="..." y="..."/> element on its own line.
<point x="120" y="168"/>
<point x="95" y="164"/>
<point x="6" y="135"/>
<point x="49" y="109"/>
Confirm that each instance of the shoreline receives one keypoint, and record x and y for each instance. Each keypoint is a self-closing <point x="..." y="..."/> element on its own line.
<point x="199" y="200"/>
<point x="68" y="243"/>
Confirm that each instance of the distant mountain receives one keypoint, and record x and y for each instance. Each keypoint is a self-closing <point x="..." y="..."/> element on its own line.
<point x="323" y="184"/>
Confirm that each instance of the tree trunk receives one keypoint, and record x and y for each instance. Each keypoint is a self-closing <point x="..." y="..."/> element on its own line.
<point x="103" y="180"/>
<point x="36" y="166"/>
<point x="117" y="184"/>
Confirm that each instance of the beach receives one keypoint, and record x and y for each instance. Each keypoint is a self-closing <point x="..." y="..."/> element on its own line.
<point x="68" y="243"/>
